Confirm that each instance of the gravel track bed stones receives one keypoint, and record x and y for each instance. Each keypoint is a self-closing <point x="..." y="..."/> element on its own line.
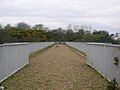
<point x="58" y="68"/>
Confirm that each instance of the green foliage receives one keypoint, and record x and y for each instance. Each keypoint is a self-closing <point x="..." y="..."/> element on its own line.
<point x="22" y="36"/>
<point x="1" y="27"/>
<point x="7" y="27"/>
<point x="38" y="27"/>
<point x="23" y="33"/>
<point x="22" y="26"/>
<point x="113" y="85"/>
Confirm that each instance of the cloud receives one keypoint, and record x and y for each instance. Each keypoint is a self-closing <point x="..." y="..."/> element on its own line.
<point x="54" y="13"/>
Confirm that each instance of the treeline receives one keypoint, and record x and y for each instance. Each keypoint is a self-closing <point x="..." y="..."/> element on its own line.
<point x="23" y="32"/>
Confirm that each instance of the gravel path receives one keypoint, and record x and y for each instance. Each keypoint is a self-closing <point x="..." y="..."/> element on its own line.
<point x="58" y="68"/>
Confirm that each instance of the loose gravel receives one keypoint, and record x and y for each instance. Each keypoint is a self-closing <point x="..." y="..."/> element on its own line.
<point x="58" y="68"/>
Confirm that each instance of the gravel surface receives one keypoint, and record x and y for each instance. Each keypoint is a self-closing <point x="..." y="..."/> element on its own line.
<point x="58" y="68"/>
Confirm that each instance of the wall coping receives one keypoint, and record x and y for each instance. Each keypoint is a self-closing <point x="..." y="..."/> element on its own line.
<point x="104" y="44"/>
<point x="12" y="44"/>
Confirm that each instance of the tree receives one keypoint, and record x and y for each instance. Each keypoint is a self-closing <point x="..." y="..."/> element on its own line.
<point x="70" y="35"/>
<point x="101" y="36"/>
<point x="23" y="33"/>
<point x="76" y="28"/>
<point x="1" y="34"/>
<point x="7" y="27"/>
<point x="80" y="35"/>
<point x="1" y="27"/>
<point x="86" y="27"/>
<point x="38" y="27"/>
<point x="112" y="35"/>
<point x="22" y="26"/>
<point x="69" y="27"/>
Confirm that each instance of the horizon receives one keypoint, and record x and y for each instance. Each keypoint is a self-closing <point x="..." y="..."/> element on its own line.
<point x="60" y="13"/>
<point x="79" y="26"/>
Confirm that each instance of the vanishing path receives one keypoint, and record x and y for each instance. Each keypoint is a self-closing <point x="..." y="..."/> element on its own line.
<point x="58" y="68"/>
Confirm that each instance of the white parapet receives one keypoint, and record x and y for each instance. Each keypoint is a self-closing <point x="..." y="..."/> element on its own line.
<point x="33" y="46"/>
<point x="102" y="57"/>
<point x="12" y="58"/>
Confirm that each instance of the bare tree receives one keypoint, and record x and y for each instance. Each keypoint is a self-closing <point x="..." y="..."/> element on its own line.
<point x="1" y="27"/>
<point x="22" y="25"/>
<point x="38" y="27"/>
<point x="7" y="27"/>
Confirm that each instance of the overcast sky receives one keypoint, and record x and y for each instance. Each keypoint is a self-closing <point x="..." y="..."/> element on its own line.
<point x="100" y="14"/>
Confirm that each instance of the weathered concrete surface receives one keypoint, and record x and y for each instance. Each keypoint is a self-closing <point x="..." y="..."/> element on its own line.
<point x="58" y="68"/>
